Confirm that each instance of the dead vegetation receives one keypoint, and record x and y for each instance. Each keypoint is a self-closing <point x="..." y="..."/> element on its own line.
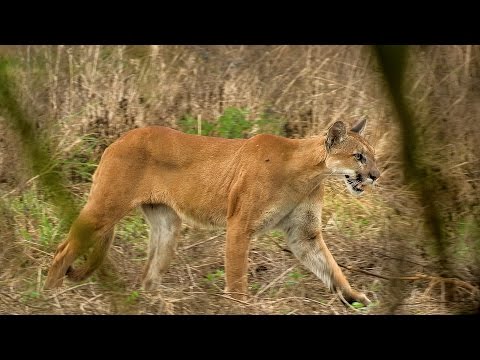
<point x="83" y="97"/>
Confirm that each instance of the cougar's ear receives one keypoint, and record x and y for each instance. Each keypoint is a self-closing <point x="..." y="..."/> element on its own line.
<point x="360" y="126"/>
<point x="336" y="134"/>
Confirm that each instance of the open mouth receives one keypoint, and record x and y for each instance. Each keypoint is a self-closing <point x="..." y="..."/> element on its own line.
<point x="355" y="185"/>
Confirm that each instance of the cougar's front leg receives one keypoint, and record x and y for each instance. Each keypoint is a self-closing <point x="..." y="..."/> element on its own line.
<point x="305" y="240"/>
<point x="236" y="258"/>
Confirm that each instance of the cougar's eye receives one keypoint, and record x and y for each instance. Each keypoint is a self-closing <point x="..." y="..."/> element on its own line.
<point x="360" y="157"/>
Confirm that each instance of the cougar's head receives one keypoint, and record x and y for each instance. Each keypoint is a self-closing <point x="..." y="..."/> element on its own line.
<point x="351" y="156"/>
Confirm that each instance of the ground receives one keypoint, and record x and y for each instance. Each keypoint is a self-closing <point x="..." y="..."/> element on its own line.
<point x="194" y="283"/>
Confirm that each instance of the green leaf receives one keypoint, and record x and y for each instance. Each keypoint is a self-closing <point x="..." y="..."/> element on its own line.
<point x="357" y="305"/>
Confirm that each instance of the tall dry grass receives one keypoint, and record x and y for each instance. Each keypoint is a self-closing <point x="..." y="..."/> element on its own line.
<point x="99" y="92"/>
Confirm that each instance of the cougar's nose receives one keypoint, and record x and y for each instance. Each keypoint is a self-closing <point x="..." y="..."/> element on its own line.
<point x="374" y="174"/>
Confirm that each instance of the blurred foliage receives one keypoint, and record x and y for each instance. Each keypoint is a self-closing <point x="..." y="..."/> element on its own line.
<point x="36" y="147"/>
<point x="67" y="103"/>
<point x="233" y="124"/>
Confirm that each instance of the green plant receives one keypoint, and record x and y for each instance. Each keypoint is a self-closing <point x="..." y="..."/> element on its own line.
<point x="294" y="277"/>
<point x="35" y="218"/>
<point x="133" y="297"/>
<point x="213" y="277"/>
<point x="357" y="305"/>
<point x="276" y="234"/>
<point x="189" y="125"/>
<point x="131" y="227"/>
<point x="254" y="286"/>
<point x="233" y="123"/>
<point x="363" y="222"/>
<point x="29" y="296"/>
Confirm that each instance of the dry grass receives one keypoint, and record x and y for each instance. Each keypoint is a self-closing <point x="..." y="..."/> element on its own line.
<point x="84" y="97"/>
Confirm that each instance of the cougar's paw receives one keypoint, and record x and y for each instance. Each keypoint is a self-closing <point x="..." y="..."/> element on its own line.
<point x="362" y="298"/>
<point x="76" y="274"/>
<point x="357" y="297"/>
<point x="239" y="295"/>
<point x="52" y="283"/>
<point x="148" y="285"/>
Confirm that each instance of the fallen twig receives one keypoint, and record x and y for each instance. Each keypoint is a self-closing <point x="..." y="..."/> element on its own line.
<point x="262" y="290"/>
<point x="203" y="241"/>
<point x="455" y="281"/>
<point x="70" y="288"/>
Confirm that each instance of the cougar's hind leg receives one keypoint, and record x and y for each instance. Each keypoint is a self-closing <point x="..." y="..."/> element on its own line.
<point x="102" y="219"/>
<point x="164" y="228"/>
<point x="101" y="243"/>
<point x="113" y="195"/>
<point x="94" y="227"/>
<point x="78" y="241"/>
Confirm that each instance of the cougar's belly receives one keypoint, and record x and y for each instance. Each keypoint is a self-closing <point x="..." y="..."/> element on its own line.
<point x="202" y="211"/>
<point x="211" y="220"/>
<point x="193" y="202"/>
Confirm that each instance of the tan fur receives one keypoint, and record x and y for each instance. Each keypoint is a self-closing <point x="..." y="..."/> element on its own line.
<point x="249" y="186"/>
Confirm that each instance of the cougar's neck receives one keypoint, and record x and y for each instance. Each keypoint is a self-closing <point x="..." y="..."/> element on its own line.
<point x="313" y="151"/>
<point x="309" y="163"/>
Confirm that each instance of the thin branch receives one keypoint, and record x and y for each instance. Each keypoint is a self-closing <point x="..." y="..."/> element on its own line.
<point x="70" y="288"/>
<point x="274" y="281"/>
<point x="203" y="241"/>
<point x="456" y="281"/>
